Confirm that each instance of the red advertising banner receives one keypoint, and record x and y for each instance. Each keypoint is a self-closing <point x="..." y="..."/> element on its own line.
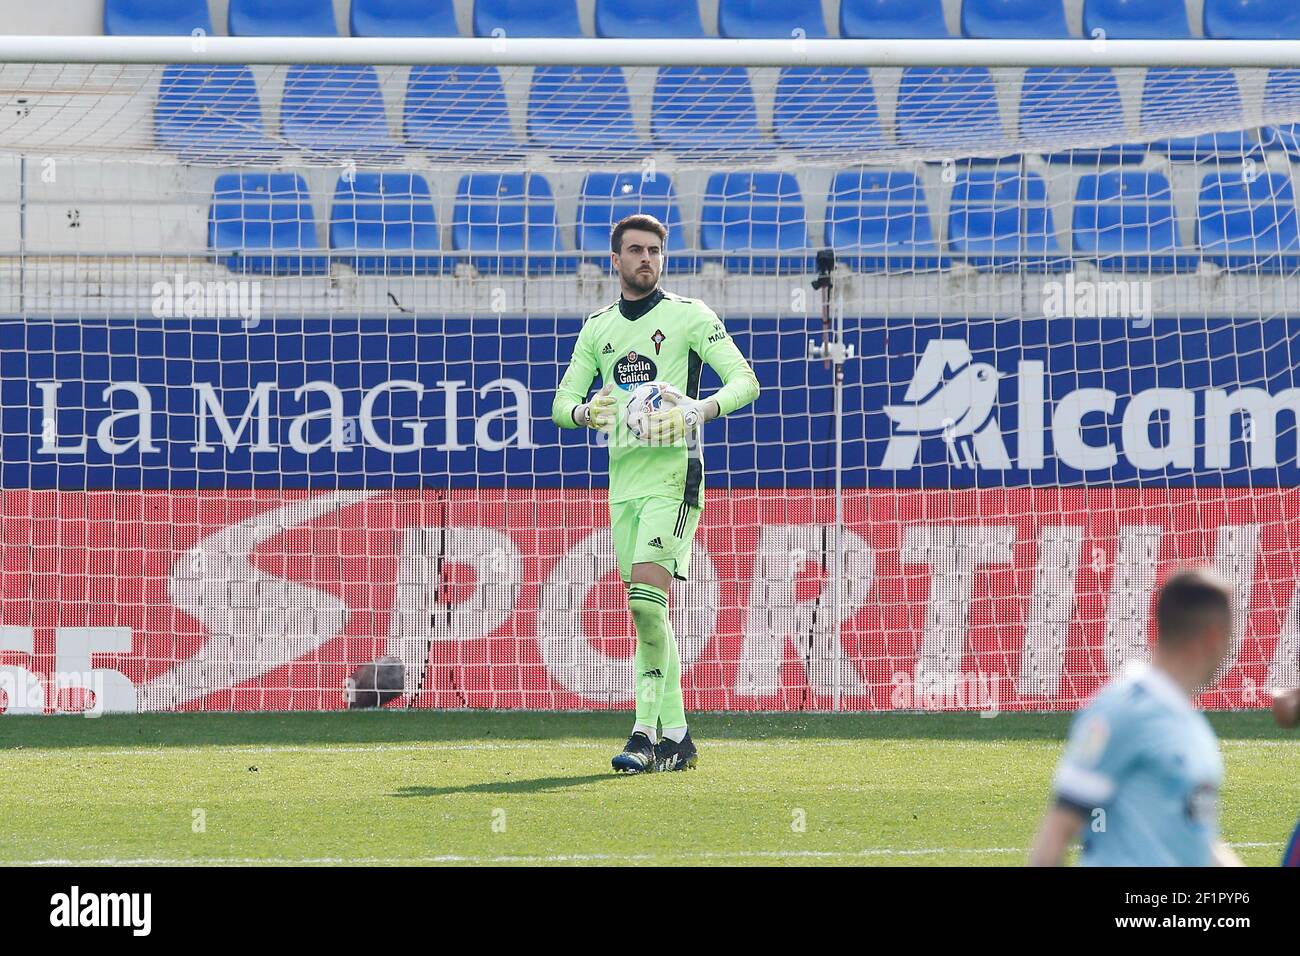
<point x="971" y="599"/>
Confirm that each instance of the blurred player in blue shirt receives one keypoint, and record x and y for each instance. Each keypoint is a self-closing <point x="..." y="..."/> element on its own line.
<point x="1141" y="771"/>
<point x="1286" y="711"/>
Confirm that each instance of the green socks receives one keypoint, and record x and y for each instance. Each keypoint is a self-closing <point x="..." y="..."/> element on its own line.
<point x="671" y="712"/>
<point x="654" y="637"/>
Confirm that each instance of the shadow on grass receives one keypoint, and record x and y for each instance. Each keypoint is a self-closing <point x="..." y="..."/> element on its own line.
<point x="538" y="785"/>
<point x="482" y="726"/>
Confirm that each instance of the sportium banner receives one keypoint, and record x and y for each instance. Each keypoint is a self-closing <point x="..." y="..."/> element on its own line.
<point x="200" y="516"/>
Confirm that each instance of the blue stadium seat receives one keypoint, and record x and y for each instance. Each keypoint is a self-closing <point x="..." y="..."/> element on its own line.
<point x="1250" y="225"/>
<point x="1137" y="19"/>
<point x="459" y="109"/>
<point x="263" y="223"/>
<point x="1000" y="219"/>
<point x="282" y="18"/>
<point x="705" y="109"/>
<point x="1252" y="19"/>
<point x="336" y="111"/>
<point x="892" y="20"/>
<point x="1125" y="220"/>
<point x="608" y="197"/>
<point x="156" y="17"/>
<point x="755" y="213"/>
<point x="387" y="219"/>
<point x="878" y="220"/>
<point x="403" y="18"/>
<point x="497" y="214"/>
<point x="1058" y="102"/>
<point x="776" y="19"/>
<point x="940" y="105"/>
<point x="527" y="18"/>
<point x="1178" y="95"/>
<point x="827" y="108"/>
<point x="582" y="111"/>
<point x="1014" y="19"/>
<point x="211" y="113"/>
<point x="633" y="20"/>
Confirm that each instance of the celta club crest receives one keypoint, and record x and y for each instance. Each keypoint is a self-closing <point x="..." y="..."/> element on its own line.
<point x="658" y="339"/>
<point x="953" y="398"/>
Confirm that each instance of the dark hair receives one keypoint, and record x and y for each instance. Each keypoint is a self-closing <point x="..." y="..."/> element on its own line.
<point x="1188" y="602"/>
<point x="636" y="221"/>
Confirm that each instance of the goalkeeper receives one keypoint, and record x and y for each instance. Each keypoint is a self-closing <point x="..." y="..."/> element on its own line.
<point x="656" y="492"/>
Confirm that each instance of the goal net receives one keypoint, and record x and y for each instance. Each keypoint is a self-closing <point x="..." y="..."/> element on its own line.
<point x="279" y="343"/>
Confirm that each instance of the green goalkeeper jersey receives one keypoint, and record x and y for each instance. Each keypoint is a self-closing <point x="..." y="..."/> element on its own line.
<point x="669" y="340"/>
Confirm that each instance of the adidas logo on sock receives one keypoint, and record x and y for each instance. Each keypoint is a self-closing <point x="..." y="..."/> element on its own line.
<point x="656" y="673"/>
<point x="607" y="350"/>
<point x="656" y="543"/>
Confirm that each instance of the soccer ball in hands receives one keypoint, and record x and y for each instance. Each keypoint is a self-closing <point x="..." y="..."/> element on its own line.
<point x="646" y="399"/>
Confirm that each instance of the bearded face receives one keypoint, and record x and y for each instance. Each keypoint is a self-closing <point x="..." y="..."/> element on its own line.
<point x="640" y="261"/>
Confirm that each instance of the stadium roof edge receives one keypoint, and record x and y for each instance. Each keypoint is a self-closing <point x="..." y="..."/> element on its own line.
<point x="521" y="51"/>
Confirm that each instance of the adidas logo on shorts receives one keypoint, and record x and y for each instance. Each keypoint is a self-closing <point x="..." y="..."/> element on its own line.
<point x="656" y="543"/>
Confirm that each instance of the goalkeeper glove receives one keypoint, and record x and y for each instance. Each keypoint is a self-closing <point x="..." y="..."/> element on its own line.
<point x="600" y="411"/>
<point x="679" y="417"/>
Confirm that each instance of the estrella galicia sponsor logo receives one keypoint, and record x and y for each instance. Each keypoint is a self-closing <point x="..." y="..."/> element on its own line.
<point x="996" y="419"/>
<point x="634" y="369"/>
<point x="130" y="910"/>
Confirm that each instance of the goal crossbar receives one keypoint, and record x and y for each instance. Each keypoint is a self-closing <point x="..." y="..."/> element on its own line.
<point x="528" y="51"/>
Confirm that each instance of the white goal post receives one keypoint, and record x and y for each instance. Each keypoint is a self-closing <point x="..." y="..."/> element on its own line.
<point x="1099" y="51"/>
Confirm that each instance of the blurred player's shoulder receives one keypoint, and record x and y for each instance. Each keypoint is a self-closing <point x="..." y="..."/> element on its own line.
<point x="1145" y="701"/>
<point x="1139" y="684"/>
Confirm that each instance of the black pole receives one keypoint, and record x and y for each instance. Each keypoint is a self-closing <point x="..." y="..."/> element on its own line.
<point x="824" y="282"/>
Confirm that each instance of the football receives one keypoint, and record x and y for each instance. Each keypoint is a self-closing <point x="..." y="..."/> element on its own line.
<point x="374" y="684"/>
<point x="645" y="399"/>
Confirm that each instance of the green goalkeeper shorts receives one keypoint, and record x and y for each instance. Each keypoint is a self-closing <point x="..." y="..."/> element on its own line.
<point x="658" y="530"/>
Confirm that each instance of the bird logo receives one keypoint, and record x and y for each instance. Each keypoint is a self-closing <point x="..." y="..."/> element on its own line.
<point x="956" y="409"/>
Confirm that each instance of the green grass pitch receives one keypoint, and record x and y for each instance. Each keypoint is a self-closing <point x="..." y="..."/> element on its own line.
<point x="492" y="787"/>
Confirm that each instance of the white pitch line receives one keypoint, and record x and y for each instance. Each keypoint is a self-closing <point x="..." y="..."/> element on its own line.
<point x="433" y="746"/>
<point x="864" y="744"/>
<point x="559" y="744"/>
<point x="548" y="858"/>
<point x="537" y="858"/>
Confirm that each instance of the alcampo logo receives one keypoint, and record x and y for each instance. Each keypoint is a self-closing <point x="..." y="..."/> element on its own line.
<point x="954" y="399"/>
<point x="959" y="408"/>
